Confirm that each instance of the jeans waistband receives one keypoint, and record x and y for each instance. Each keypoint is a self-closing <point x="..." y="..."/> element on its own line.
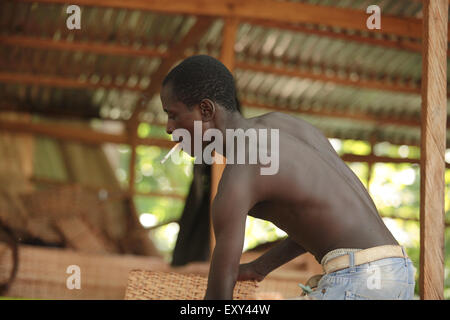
<point x="337" y="260"/>
<point x="336" y="253"/>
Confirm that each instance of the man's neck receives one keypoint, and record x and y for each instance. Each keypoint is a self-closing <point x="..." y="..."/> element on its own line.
<point x="226" y="120"/>
<point x="231" y="120"/>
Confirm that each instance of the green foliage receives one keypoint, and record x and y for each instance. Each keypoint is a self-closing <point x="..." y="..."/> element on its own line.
<point x="355" y="147"/>
<point x="145" y="131"/>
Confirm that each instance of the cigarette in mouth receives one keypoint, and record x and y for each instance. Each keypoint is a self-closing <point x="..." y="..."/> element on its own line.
<point x="175" y="148"/>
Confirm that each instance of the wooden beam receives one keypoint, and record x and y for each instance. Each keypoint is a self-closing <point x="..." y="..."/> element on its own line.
<point x="433" y="140"/>
<point x="91" y="136"/>
<point x="93" y="47"/>
<point x="229" y="34"/>
<point x="291" y="12"/>
<point x="372" y="141"/>
<point x="96" y="138"/>
<point x="336" y="114"/>
<point x="55" y="113"/>
<point x="347" y="157"/>
<point x="401" y="44"/>
<point x="157" y="77"/>
<point x="62" y="132"/>
<point x="61" y="82"/>
<point x="88" y="136"/>
<point x="381" y="159"/>
<point x="227" y="57"/>
<point x="359" y="83"/>
<point x="112" y="194"/>
<point x="132" y="141"/>
<point x="176" y="53"/>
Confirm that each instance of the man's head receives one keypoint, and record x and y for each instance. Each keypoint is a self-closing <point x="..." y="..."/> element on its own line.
<point x="195" y="89"/>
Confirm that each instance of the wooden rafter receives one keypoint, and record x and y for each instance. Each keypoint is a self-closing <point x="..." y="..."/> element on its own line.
<point x="131" y="51"/>
<point x="95" y="137"/>
<point x="401" y="44"/>
<point x="290" y="12"/>
<point x="257" y="67"/>
<point x="93" y="47"/>
<point x="88" y="136"/>
<point x="175" y="53"/>
<point x="61" y="82"/>
<point x="113" y="194"/>
<point x="372" y="159"/>
<point x="91" y="136"/>
<point x="74" y="83"/>
<point x="360" y="83"/>
<point x="360" y="116"/>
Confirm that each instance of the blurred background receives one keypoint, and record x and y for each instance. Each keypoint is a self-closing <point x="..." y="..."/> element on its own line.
<point x="80" y="146"/>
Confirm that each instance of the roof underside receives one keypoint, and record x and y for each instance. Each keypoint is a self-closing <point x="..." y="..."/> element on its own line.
<point x="351" y="84"/>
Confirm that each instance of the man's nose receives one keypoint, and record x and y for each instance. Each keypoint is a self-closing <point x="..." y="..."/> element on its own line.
<point x="169" y="127"/>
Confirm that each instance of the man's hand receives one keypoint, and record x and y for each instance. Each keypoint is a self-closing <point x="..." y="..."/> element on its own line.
<point x="247" y="271"/>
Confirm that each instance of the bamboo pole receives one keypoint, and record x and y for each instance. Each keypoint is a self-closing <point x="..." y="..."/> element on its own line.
<point x="433" y="139"/>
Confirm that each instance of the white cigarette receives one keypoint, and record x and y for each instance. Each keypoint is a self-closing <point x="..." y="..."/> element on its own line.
<point x="175" y="148"/>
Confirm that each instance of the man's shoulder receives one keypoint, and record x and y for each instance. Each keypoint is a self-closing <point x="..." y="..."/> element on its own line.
<point x="285" y="123"/>
<point x="241" y="172"/>
<point x="277" y="116"/>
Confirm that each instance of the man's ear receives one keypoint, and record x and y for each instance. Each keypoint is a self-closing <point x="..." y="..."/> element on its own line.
<point x="207" y="109"/>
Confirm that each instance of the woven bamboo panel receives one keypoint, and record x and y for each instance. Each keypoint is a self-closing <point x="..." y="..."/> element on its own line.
<point x="155" y="285"/>
<point x="65" y="201"/>
<point x="79" y="236"/>
<point x="42" y="228"/>
<point x="42" y="273"/>
<point x="12" y="212"/>
<point x="68" y="215"/>
<point x="280" y="284"/>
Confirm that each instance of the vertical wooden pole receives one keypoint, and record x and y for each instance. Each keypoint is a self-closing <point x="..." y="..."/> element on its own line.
<point x="371" y="162"/>
<point x="227" y="58"/>
<point x="132" y="134"/>
<point x="433" y="138"/>
<point x="132" y="126"/>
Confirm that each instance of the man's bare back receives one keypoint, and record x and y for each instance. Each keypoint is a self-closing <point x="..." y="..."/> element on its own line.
<point x="315" y="197"/>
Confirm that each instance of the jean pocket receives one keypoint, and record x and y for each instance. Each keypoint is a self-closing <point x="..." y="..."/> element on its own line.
<point x="353" y="296"/>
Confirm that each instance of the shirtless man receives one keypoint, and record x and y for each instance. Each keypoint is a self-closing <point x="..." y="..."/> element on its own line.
<point x="314" y="197"/>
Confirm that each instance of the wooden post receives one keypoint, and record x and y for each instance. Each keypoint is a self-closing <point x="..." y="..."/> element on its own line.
<point x="370" y="164"/>
<point x="132" y="126"/>
<point x="227" y="58"/>
<point x="433" y="139"/>
<point x="132" y="166"/>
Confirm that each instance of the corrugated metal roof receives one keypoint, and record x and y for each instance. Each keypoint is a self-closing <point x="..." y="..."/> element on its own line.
<point x="312" y="71"/>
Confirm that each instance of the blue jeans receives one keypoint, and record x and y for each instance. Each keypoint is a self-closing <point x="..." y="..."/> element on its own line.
<point x="385" y="279"/>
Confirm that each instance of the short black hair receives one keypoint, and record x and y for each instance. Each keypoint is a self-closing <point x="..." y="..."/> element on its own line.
<point x="203" y="77"/>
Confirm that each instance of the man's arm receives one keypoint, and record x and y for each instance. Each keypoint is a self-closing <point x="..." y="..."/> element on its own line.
<point x="229" y="212"/>
<point x="278" y="255"/>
